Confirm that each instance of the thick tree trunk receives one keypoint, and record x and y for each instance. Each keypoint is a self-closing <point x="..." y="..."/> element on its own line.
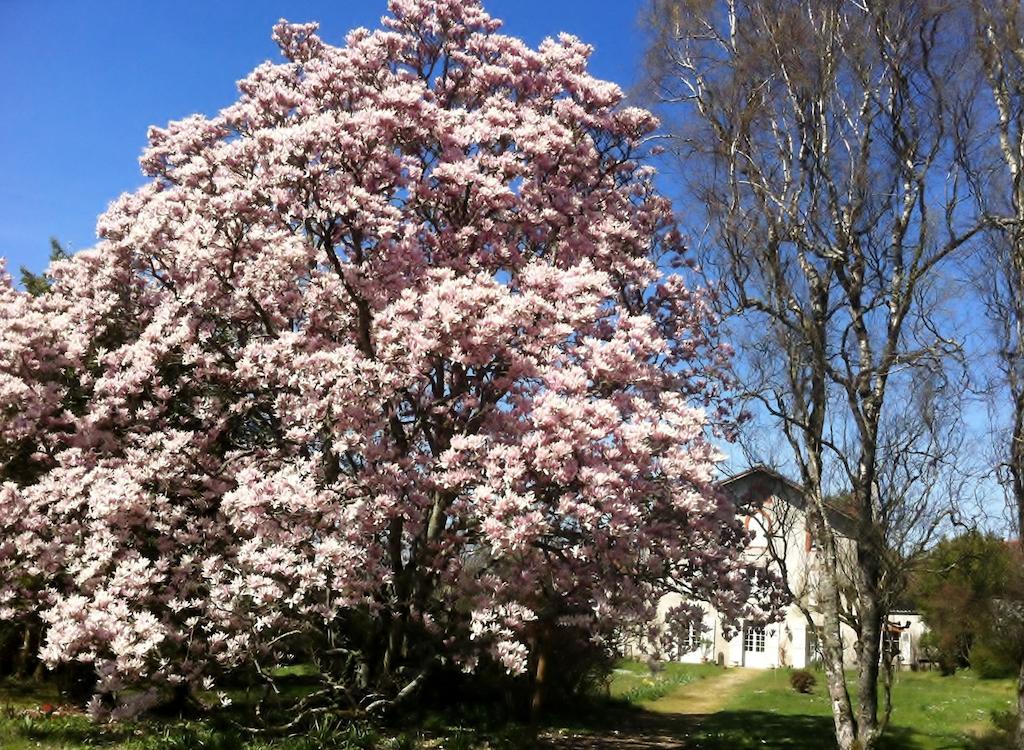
<point x="867" y="675"/>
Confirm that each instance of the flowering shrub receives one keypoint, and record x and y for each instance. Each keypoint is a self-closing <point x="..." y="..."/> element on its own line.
<point x="383" y="367"/>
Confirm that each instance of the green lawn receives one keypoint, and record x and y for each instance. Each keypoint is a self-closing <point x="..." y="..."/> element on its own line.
<point x="931" y="713"/>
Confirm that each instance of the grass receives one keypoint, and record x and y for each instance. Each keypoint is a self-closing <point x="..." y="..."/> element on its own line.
<point x="32" y="718"/>
<point x="633" y="682"/>
<point x="932" y="713"/>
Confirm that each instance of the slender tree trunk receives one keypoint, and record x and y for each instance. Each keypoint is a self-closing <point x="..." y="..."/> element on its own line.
<point x="835" y="677"/>
<point x="831" y="642"/>
<point x="1017" y="477"/>
<point x="870" y="612"/>
<point x="887" y="670"/>
<point x="1017" y="474"/>
<point x="27" y="653"/>
<point x="540" y="674"/>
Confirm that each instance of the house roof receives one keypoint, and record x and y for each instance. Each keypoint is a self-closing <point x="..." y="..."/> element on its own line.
<point x="793" y="493"/>
<point x="764" y="470"/>
<point x="841" y="519"/>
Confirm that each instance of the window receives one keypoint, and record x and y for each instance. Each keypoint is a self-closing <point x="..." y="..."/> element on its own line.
<point x="753" y="639"/>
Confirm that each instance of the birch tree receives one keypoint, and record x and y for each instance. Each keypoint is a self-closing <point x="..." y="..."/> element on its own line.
<point x="999" y="37"/>
<point x="819" y="151"/>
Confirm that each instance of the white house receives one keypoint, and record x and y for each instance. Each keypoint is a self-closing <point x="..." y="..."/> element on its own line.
<point x="773" y="511"/>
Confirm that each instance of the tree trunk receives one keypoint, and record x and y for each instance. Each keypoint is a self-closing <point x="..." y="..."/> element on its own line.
<point x="1016" y="454"/>
<point x="887" y="669"/>
<point x="27" y="653"/>
<point x="831" y="635"/>
<point x="537" y="695"/>
<point x="832" y="659"/>
<point x="870" y="615"/>
<point x="842" y="713"/>
<point x="867" y="676"/>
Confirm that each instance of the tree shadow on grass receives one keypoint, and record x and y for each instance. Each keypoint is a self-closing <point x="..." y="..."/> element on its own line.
<point x="725" y="730"/>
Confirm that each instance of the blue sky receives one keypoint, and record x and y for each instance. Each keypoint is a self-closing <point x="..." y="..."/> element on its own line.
<point x="83" y="79"/>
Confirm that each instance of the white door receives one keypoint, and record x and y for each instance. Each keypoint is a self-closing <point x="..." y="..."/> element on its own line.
<point x="757" y="646"/>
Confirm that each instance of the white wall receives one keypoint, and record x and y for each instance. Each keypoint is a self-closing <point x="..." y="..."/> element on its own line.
<point x="780" y="541"/>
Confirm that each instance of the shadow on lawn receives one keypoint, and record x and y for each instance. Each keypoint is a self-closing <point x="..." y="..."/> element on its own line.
<point x="725" y="730"/>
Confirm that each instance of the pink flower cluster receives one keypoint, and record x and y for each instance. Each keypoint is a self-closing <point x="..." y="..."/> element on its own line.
<point x="389" y="341"/>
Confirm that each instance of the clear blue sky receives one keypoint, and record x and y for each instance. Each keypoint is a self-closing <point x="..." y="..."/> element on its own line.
<point x="83" y="79"/>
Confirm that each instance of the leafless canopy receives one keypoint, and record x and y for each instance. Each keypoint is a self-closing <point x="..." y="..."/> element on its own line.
<point x="996" y="168"/>
<point x="820" y="144"/>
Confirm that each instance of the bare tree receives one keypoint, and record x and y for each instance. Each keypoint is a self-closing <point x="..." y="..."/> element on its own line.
<point x="998" y="174"/>
<point x="818" y="144"/>
<point x="920" y="484"/>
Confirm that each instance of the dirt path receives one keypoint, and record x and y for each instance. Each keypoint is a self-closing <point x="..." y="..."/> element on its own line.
<point x="702" y="697"/>
<point x="665" y="723"/>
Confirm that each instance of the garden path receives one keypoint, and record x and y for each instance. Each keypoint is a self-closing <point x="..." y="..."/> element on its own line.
<point x="665" y="723"/>
<point x="705" y="696"/>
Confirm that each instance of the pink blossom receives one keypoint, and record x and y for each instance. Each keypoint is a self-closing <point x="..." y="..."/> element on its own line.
<point x="388" y="340"/>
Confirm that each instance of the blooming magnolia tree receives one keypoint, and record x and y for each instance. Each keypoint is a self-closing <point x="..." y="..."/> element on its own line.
<point x="382" y="368"/>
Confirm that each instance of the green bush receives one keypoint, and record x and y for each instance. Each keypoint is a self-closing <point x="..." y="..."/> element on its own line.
<point x="990" y="662"/>
<point x="940" y="653"/>
<point x="802" y="681"/>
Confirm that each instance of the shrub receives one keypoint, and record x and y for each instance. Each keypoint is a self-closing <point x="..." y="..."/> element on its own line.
<point x="1001" y="736"/>
<point x="580" y="667"/>
<point x="990" y="662"/>
<point x="939" y="652"/>
<point x="802" y="681"/>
